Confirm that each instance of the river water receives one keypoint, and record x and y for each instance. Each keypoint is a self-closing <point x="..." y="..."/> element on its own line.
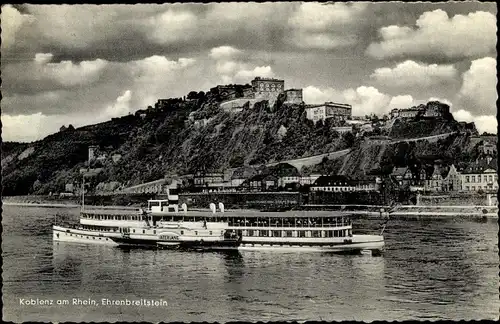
<point x="439" y="269"/>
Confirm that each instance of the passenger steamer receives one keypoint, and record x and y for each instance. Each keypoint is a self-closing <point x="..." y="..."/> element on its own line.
<point x="163" y="225"/>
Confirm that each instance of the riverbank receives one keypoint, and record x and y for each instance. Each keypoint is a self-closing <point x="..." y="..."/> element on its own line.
<point x="359" y="211"/>
<point x="66" y="205"/>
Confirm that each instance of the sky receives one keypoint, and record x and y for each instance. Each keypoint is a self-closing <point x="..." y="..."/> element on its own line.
<point x="84" y="64"/>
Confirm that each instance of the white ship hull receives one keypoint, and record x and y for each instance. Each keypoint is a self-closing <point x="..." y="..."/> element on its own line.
<point x="358" y="242"/>
<point x="73" y="235"/>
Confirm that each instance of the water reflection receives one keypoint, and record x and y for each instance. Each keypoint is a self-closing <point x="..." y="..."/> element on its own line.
<point x="430" y="270"/>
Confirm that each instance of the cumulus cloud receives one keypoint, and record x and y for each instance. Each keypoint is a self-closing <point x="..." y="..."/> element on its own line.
<point x="43" y="58"/>
<point x="68" y="73"/>
<point x="442" y="100"/>
<point x="410" y="73"/>
<point x="317" y="16"/>
<point x="147" y="80"/>
<point x="41" y="74"/>
<point x="77" y="26"/>
<point x="31" y="127"/>
<point x="12" y="21"/>
<point x="14" y="127"/>
<point x="367" y="100"/>
<point x="315" y="95"/>
<point x="234" y="66"/>
<point x="364" y="100"/>
<point x="325" y="26"/>
<point x="437" y="34"/>
<point x="478" y="92"/>
<point x="140" y="29"/>
<point x="157" y="77"/>
<point x="120" y="107"/>
<point x="401" y="102"/>
<point x="247" y="75"/>
<point x="484" y="123"/>
<point x="222" y="52"/>
<point x="171" y="26"/>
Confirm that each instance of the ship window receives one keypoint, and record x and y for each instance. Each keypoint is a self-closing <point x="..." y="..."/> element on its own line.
<point x="302" y="233"/>
<point x="93" y="237"/>
<point x="210" y="232"/>
<point x="250" y="232"/>
<point x="182" y="232"/>
<point x="264" y="233"/>
<point x="133" y="231"/>
<point x="315" y="234"/>
<point x="335" y="233"/>
<point x="143" y="231"/>
<point x="195" y="232"/>
<point x="154" y="231"/>
<point x="288" y="233"/>
<point x="276" y="233"/>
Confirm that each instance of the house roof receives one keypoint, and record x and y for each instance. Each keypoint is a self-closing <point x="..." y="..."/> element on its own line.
<point x="263" y="177"/>
<point x="438" y="170"/>
<point x="243" y="172"/>
<point x="333" y="180"/>
<point x="399" y="171"/>
<point x="365" y="177"/>
<point x="480" y="166"/>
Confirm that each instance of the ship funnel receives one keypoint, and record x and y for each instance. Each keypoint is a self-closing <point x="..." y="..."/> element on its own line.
<point x="213" y="208"/>
<point x="221" y="207"/>
<point x="184" y="207"/>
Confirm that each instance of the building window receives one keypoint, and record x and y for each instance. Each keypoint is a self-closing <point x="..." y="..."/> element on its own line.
<point x="467" y="179"/>
<point x="490" y="178"/>
<point x="473" y="179"/>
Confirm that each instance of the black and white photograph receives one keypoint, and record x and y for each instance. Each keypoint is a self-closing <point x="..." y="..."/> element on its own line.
<point x="250" y="162"/>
